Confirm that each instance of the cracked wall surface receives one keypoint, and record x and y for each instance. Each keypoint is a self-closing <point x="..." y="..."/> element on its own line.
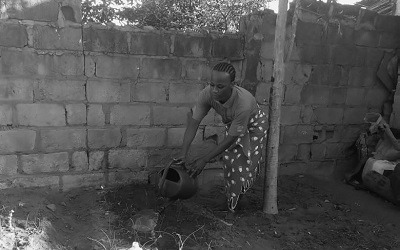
<point x="338" y="71"/>
<point x="97" y="105"/>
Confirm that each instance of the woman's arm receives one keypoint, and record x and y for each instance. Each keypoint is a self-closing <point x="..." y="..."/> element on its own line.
<point x="190" y="133"/>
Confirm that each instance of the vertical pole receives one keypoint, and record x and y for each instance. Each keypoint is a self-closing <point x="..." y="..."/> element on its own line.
<point x="271" y="173"/>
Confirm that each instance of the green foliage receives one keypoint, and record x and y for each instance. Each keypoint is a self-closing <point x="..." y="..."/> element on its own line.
<point x="221" y="15"/>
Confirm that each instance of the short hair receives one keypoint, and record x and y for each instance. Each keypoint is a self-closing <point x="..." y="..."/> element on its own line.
<point x="226" y="67"/>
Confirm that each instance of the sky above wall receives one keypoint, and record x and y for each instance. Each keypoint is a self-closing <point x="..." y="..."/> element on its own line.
<point x="274" y="4"/>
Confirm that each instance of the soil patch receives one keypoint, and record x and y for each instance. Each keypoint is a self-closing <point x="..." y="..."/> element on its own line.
<point x="313" y="214"/>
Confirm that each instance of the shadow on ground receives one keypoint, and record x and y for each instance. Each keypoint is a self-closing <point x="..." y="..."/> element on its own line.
<point x="313" y="214"/>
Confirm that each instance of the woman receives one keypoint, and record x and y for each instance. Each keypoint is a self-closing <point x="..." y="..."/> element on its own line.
<point x="246" y="131"/>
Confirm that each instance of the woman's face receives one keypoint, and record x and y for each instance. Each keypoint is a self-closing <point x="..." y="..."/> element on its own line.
<point x="220" y="86"/>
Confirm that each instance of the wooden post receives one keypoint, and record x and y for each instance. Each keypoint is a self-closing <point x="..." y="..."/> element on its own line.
<point x="271" y="172"/>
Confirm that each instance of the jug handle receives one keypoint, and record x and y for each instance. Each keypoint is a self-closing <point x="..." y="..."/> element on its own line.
<point x="162" y="180"/>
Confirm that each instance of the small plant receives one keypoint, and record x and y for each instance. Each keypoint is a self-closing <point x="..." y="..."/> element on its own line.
<point x="10" y="215"/>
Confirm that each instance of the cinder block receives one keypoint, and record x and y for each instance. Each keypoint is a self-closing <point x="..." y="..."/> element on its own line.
<point x="303" y="152"/>
<point x="354" y="115"/>
<point x="108" y="91"/>
<point x="252" y="59"/>
<point x="18" y="140"/>
<point x="54" y="90"/>
<point x="337" y="150"/>
<point x="310" y="33"/>
<point x="95" y="115"/>
<point x="130" y="115"/>
<point x="298" y="134"/>
<point x="104" y="138"/>
<point x="146" y="137"/>
<point x="313" y="54"/>
<point x="115" y="67"/>
<point x="96" y="160"/>
<point x="53" y="38"/>
<point x="329" y="115"/>
<point x="26" y="62"/>
<point x="367" y="18"/>
<point x="389" y="40"/>
<point x="318" y="151"/>
<point x="62" y="139"/>
<point x="155" y="44"/>
<point x="344" y="36"/>
<point x="80" y="161"/>
<point x="196" y="70"/>
<point x="184" y="93"/>
<point x="375" y="97"/>
<point x="41" y="114"/>
<point x="388" y="23"/>
<point x="327" y="75"/>
<point x="228" y="46"/>
<point x="292" y="94"/>
<point x="349" y="133"/>
<point x="19" y="63"/>
<point x="8" y="165"/>
<point x="82" y="180"/>
<point x="287" y="152"/>
<point x="45" y="163"/>
<point x="315" y="94"/>
<point x="366" y="38"/>
<point x="66" y="64"/>
<point x="16" y="89"/>
<point x="5" y="115"/>
<point x="307" y="115"/>
<point x="192" y="46"/>
<point x="263" y="92"/>
<point x="319" y="74"/>
<point x="166" y="115"/>
<point x="265" y="70"/>
<point x="128" y="177"/>
<point x="347" y="55"/>
<point x="267" y="50"/>
<point x="355" y="96"/>
<point x="175" y="137"/>
<point x="51" y="182"/>
<point x="105" y="40"/>
<point x="76" y="114"/>
<point x="133" y="159"/>
<point x="301" y="73"/>
<point x="290" y="115"/>
<point x="374" y="57"/>
<point x="13" y="35"/>
<point x="158" y="68"/>
<point x="361" y="76"/>
<point x="150" y="92"/>
<point x="338" y="96"/>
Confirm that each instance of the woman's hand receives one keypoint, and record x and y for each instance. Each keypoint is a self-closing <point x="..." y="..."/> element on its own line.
<point x="197" y="167"/>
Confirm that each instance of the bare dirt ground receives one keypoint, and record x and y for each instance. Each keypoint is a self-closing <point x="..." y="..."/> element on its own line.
<point x="313" y="214"/>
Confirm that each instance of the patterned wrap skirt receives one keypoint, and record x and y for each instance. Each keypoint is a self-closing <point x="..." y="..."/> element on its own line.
<point x="242" y="160"/>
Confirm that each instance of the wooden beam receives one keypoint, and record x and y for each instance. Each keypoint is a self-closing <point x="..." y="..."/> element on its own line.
<point x="270" y="205"/>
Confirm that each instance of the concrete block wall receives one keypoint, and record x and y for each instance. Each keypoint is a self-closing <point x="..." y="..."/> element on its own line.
<point x="96" y="105"/>
<point x="330" y="84"/>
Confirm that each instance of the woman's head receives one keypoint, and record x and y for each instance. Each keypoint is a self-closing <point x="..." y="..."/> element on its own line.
<point x="222" y="78"/>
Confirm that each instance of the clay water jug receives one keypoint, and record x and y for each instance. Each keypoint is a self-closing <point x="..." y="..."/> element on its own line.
<point x="175" y="182"/>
